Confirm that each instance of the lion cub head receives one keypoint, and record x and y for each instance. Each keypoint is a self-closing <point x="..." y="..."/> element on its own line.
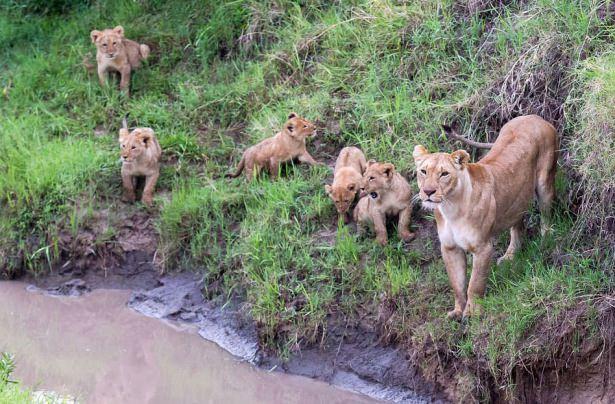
<point x="344" y="188"/>
<point x="438" y="174"/>
<point x="134" y="144"/>
<point x="298" y="128"/>
<point x="377" y="178"/>
<point x="109" y="41"/>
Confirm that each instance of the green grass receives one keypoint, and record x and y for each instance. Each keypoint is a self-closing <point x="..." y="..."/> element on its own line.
<point x="382" y="75"/>
<point x="10" y="391"/>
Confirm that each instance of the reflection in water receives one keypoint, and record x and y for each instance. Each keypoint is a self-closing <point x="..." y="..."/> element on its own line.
<point x="96" y="348"/>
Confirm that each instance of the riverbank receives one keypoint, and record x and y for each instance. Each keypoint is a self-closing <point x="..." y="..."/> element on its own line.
<point x="95" y="348"/>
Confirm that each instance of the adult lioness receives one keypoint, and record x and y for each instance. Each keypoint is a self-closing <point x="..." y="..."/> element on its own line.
<point x="116" y="53"/>
<point x="473" y="203"/>
<point x="286" y="145"/>
<point x="386" y="193"/>
<point x="140" y="155"/>
<point x="349" y="168"/>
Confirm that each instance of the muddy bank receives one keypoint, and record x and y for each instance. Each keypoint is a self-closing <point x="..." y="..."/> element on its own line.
<point x="351" y="359"/>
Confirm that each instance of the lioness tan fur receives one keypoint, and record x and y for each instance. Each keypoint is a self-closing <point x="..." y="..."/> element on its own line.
<point x="349" y="168"/>
<point x="387" y="194"/>
<point x="286" y="145"/>
<point x="116" y="53"/>
<point x="140" y="155"/>
<point x="474" y="203"/>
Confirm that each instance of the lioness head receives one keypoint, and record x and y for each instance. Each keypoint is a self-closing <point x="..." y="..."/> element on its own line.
<point x="133" y="144"/>
<point x="109" y="41"/>
<point x="298" y="127"/>
<point x="377" y="177"/>
<point x="438" y="174"/>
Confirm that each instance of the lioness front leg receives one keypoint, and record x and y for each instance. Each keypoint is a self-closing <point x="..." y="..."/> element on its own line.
<point x="481" y="266"/>
<point x="125" y="80"/>
<point x="148" y="190"/>
<point x="455" y="263"/>
<point x="129" y="188"/>
<point x="307" y="158"/>
<point x="379" y="220"/>
<point x="403" y="224"/>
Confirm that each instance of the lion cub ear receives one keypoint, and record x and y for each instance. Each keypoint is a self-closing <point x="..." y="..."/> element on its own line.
<point x="119" y="30"/>
<point x="145" y="135"/>
<point x="370" y="162"/>
<point x="94" y="35"/>
<point x="388" y="169"/>
<point x="123" y="133"/>
<point x="460" y="158"/>
<point x="292" y="115"/>
<point x="328" y="189"/>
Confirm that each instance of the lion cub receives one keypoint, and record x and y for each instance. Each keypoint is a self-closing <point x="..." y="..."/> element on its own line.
<point x="140" y="155"/>
<point x="387" y="193"/>
<point x="116" y="53"/>
<point x="286" y="145"/>
<point x="349" y="168"/>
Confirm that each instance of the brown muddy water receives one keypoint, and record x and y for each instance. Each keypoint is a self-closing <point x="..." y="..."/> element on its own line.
<point x="95" y="348"/>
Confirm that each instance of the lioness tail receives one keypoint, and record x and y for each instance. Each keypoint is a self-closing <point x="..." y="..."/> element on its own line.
<point x="452" y="134"/>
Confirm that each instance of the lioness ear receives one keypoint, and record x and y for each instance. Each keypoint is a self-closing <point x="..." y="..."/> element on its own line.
<point x="328" y="189"/>
<point x="119" y="30"/>
<point x="292" y="115"/>
<point x="460" y="158"/>
<point x="94" y="35"/>
<point x="419" y="151"/>
<point x="388" y="169"/>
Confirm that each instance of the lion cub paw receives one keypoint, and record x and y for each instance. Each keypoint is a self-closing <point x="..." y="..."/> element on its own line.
<point x="129" y="198"/>
<point x="454" y="314"/>
<point x="471" y="310"/>
<point x="407" y="236"/>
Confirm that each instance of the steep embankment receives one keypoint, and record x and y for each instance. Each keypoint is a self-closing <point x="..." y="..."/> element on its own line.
<point x="381" y="75"/>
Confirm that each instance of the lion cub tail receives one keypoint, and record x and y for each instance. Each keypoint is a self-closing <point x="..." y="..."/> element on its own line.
<point x="240" y="167"/>
<point x="144" y="51"/>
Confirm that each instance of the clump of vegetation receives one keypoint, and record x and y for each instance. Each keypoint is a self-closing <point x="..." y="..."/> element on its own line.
<point x="591" y="155"/>
<point x="10" y="391"/>
<point x="381" y="75"/>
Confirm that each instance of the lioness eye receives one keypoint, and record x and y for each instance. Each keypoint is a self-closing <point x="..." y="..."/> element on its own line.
<point x="133" y="147"/>
<point x="371" y="178"/>
<point x="423" y="172"/>
<point x="104" y="44"/>
<point x="444" y="174"/>
<point x="114" y="43"/>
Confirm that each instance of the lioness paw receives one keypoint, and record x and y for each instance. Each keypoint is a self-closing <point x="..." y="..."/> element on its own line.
<point x="454" y="314"/>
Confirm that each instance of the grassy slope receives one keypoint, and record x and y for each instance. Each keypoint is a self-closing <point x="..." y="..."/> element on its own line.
<point x="377" y="74"/>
